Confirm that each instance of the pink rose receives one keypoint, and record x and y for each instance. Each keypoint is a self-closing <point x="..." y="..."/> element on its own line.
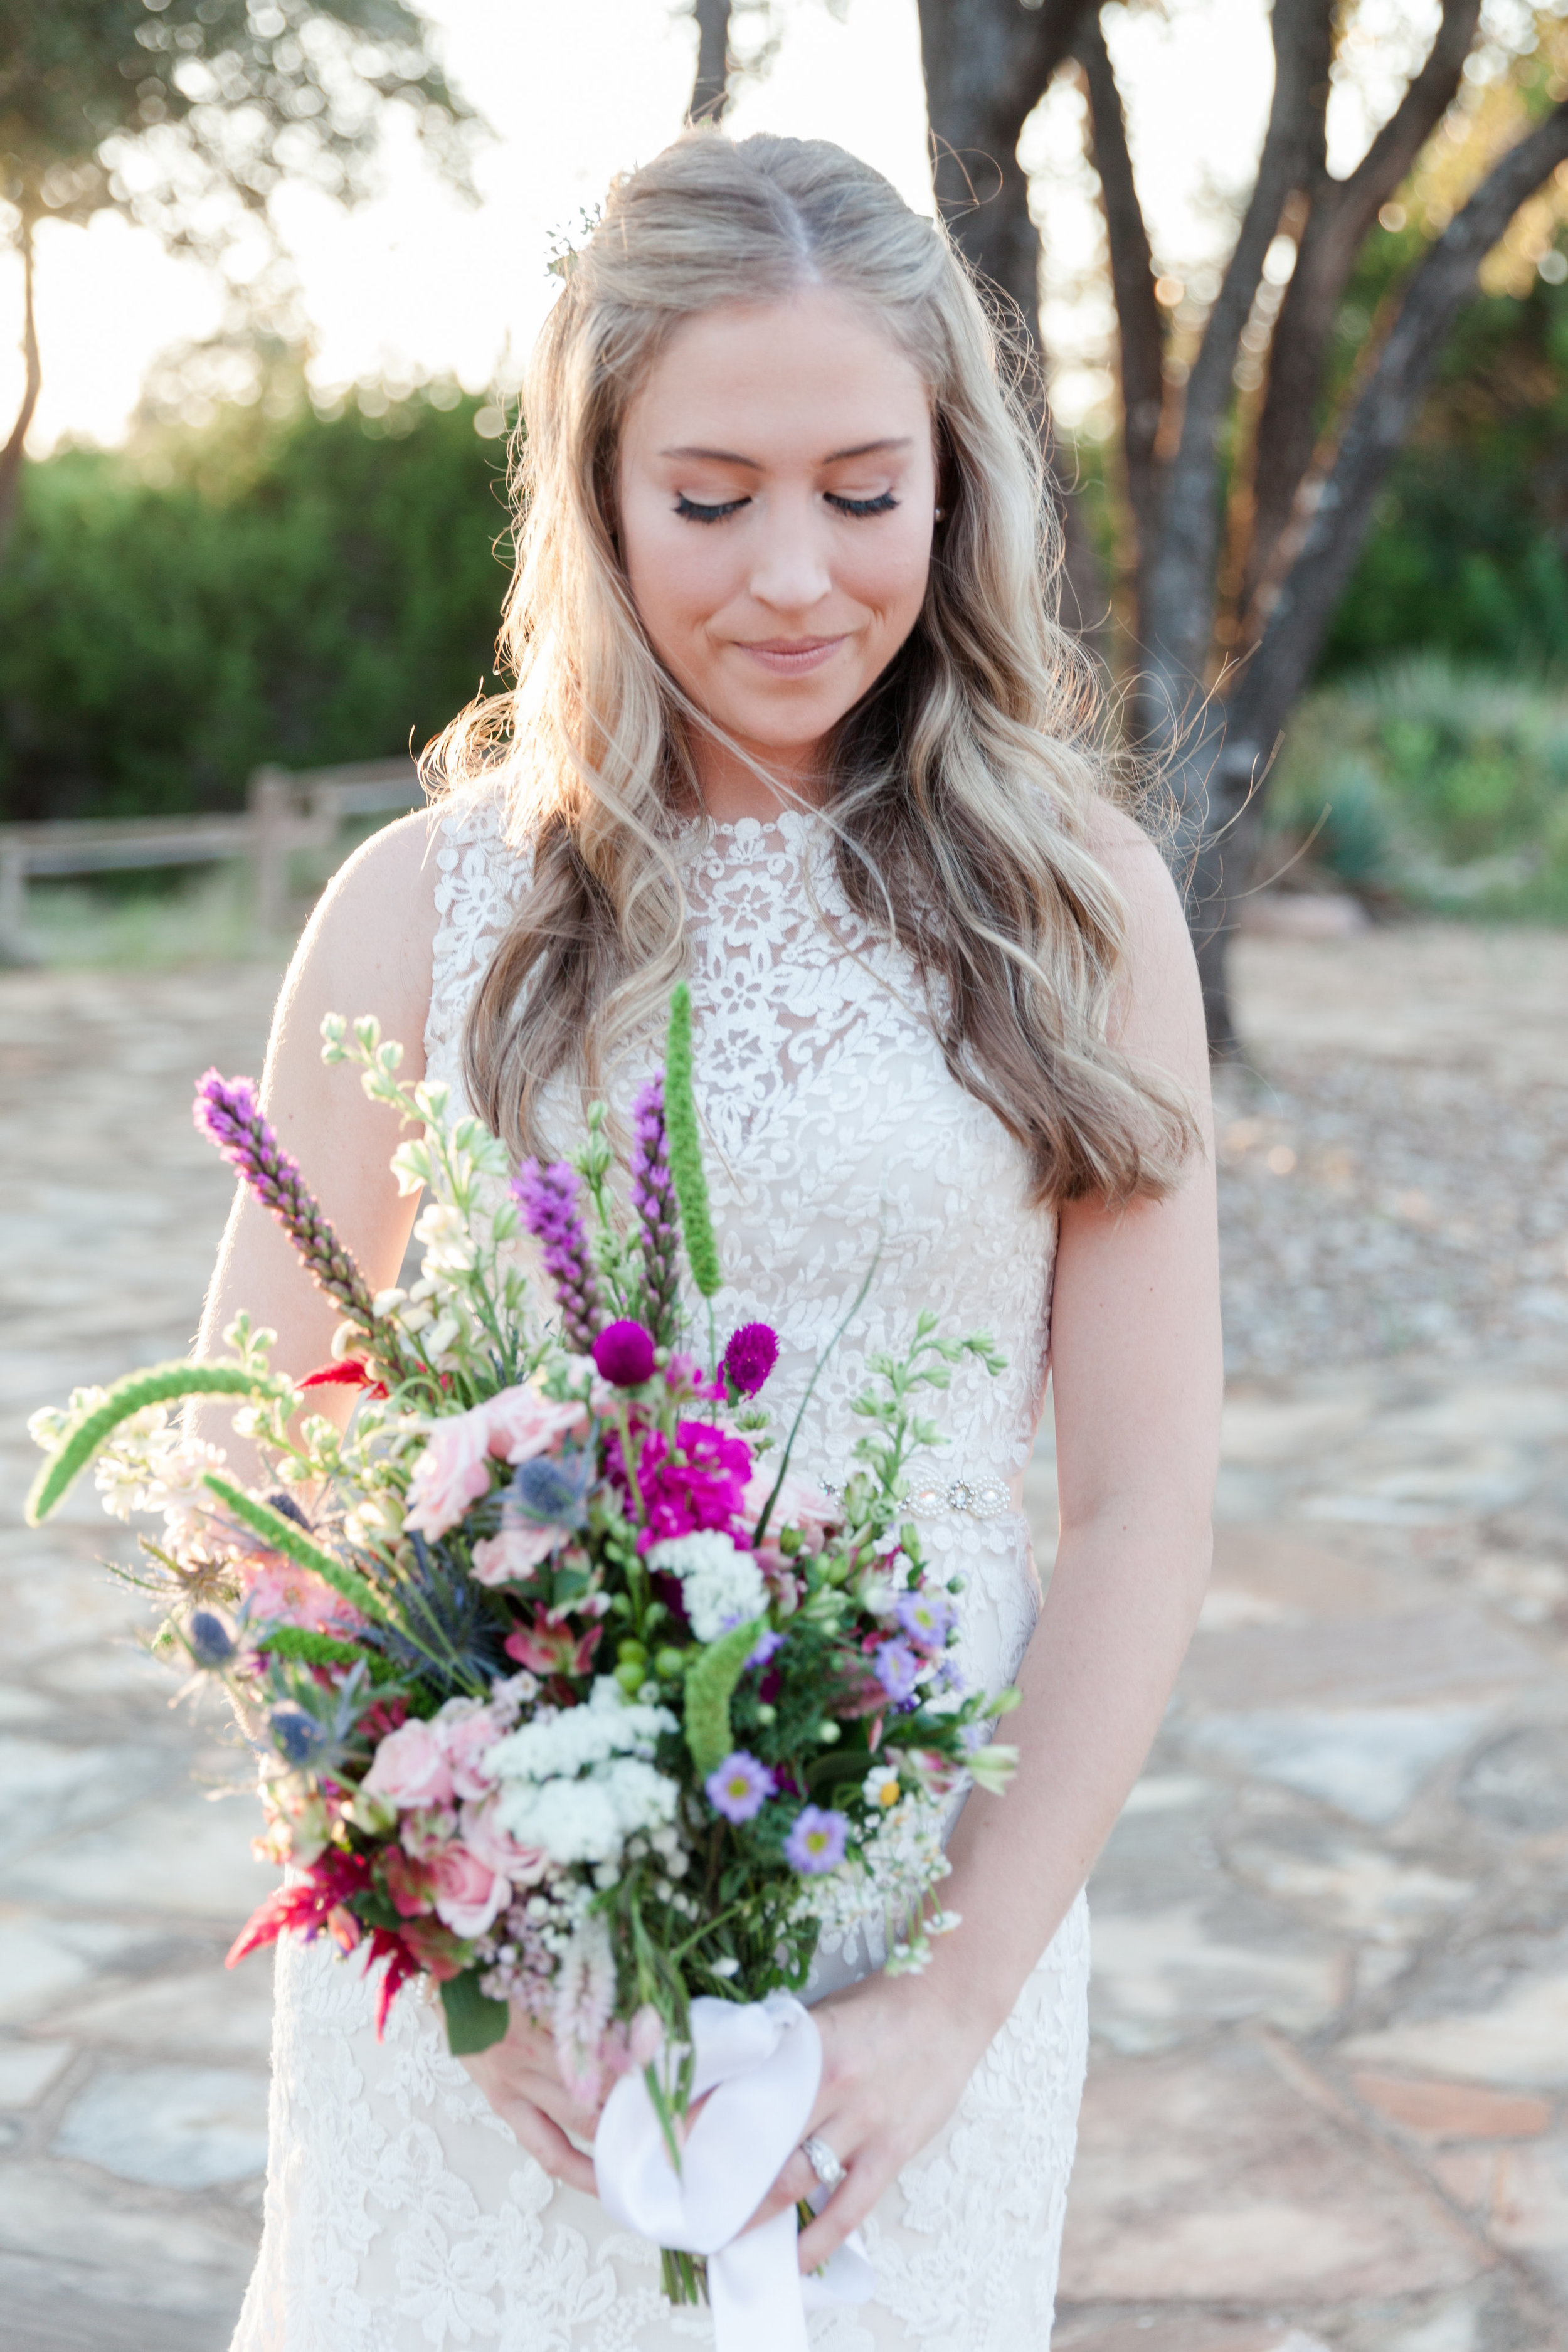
<point x="466" y="1893"/>
<point x="525" y="1865"/>
<point x="276" y="1592"/>
<point x="453" y="1472"/>
<point x="409" y="1770"/>
<point x="465" y="1730"/>
<point x="512" y="1557"/>
<point x="522" y="1424"/>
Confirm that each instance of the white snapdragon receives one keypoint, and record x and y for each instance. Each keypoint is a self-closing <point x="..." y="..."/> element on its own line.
<point x="721" y="1585"/>
<point x="580" y="1783"/>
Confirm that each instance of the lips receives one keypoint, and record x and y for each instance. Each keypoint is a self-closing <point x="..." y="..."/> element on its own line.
<point x="789" y="656"/>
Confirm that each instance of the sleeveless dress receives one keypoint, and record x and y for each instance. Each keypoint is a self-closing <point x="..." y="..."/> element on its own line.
<point x="401" y="2213"/>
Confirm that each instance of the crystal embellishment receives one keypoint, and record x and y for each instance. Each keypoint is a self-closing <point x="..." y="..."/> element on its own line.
<point x="983" y="1498"/>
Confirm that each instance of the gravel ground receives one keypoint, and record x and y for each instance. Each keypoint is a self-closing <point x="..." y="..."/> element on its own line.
<point x="1393" y="1155"/>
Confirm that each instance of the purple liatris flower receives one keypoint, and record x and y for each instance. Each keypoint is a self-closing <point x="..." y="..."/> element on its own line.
<point x="925" y="1617"/>
<point x="740" y="1787"/>
<point x="548" y="1199"/>
<point x="227" y="1113"/>
<point x="751" y="1354"/>
<point x="658" y="1213"/>
<point x="624" y="1354"/>
<point x="816" y="1844"/>
<point x="896" y="1668"/>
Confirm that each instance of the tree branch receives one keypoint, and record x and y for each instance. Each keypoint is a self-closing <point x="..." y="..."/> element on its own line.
<point x="1176" y="620"/>
<point x="986" y="67"/>
<point x="1333" y="507"/>
<point x="710" y="88"/>
<point x="1343" y="211"/>
<point x="1141" y="333"/>
<point x="11" y="456"/>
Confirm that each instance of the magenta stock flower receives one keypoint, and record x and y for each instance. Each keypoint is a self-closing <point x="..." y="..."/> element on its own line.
<point x="548" y="1199"/>
<point x="227" y="1113"/>
<point x="702" y="1484"/>
<point x="623" y="1354"/>
<point x="751" y="1354"/>
<point x="658" y="1213"/>
<point x="740" y="1787"/>
<point x="816" y="1844"/>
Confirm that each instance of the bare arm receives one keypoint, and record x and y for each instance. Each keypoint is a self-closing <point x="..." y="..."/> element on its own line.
<point x="367" y="950"/>
<point x="1137" y="1377"/>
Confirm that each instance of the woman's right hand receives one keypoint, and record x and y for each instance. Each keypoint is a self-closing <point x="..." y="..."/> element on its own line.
<point x="520" y="2077"/>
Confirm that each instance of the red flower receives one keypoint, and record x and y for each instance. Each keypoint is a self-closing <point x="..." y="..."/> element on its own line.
<point x="334" y="1879"/>
<point x="546" y="1649"/>
<point x="350" y="1373"/>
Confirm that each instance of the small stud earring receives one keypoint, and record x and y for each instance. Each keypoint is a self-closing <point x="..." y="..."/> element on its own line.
<point x="941" y="515"/>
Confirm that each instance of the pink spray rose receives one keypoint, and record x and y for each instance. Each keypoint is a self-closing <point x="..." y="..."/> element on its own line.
<point x="525" y="1865"/>
<point x="409" y="1769"/>
<point x="512" y="1557"/>
<point x="467" y="1894"/>
<point x="453" y="1469"/>
<point x="464" y="1730"/>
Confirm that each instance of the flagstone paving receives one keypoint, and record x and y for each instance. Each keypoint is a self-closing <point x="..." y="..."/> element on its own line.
<point x="1328" y="2104"/>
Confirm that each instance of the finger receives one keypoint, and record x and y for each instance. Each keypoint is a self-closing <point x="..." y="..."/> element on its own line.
<point x="845" y="2210"/>
<point x="549" y="2147"/>
<point x="795" y="2180"/>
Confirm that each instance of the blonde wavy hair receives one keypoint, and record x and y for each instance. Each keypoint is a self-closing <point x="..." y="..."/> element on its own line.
<point x="959" y="791"/>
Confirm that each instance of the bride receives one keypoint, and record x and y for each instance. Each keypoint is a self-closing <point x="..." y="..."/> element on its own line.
<point x="791" y="718"/>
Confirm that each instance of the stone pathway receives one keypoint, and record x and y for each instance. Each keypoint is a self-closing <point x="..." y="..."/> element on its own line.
<point x="1327" y="2102"/>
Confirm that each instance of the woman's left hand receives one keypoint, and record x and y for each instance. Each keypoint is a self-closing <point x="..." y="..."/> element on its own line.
<point x="895" y="2059"/>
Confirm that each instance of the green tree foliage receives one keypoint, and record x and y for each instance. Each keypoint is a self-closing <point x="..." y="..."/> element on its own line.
<point x="299" y="592"/>
<point x="1468" y="550"/>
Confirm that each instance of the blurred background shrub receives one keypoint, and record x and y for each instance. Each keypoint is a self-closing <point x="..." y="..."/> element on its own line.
<point x="302" y="588"/>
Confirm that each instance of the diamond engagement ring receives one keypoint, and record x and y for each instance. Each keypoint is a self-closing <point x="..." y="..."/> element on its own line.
<point x="823" y="2162"/>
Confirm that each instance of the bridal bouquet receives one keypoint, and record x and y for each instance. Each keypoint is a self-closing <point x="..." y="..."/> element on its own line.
<point x="567" y="1691"/>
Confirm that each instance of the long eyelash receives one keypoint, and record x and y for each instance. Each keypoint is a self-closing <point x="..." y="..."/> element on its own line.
<point x="884" y="504"/>
<point x="692" y="512"/>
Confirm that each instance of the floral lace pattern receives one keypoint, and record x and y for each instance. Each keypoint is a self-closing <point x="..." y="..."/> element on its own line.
<point x="401" y="2211"/>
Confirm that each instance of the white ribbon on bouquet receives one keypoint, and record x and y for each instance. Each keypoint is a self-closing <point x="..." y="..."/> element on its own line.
<point x="761" y="2062"/>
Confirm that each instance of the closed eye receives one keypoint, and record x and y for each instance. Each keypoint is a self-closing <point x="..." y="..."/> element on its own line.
<point x="884" y="504"/>
<point x="688" y="509"/>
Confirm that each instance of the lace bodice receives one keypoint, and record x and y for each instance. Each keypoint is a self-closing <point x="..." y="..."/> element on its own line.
<point x="401" y="2212"/>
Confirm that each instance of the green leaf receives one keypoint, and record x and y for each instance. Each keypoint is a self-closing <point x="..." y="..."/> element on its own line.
<point x="710" y="1685"/>
<point x="474" y="2021"/>
<point x="160" y="1384"/>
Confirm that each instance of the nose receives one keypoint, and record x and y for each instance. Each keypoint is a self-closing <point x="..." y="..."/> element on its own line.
<point x="790" y="570"/>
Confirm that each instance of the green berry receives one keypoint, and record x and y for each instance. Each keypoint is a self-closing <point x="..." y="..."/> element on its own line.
<point x="671" y="1664"/>
<point x="829" y="1734"/>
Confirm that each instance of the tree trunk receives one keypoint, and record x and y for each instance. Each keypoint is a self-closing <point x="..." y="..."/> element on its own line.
<point x="986" y="69"/>
<point x="1318" y="551"/>
<point x="710" y="88"/>
<point x="11" y="456"/>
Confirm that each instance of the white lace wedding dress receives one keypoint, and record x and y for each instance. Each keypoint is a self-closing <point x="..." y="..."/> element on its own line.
<point x="401" y="2212"/>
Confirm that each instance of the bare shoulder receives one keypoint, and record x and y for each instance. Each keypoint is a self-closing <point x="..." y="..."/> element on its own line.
<point x="1161" y="1008"/>
<point x="368" y="947"/>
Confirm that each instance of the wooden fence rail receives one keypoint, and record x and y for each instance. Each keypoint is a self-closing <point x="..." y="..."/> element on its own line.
<point x="285" y="811"/>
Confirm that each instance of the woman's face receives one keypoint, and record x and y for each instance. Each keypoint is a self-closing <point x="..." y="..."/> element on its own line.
<point x="777" y="485"/>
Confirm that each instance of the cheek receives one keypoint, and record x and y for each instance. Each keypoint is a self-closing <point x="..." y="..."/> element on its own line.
<point x="890" y="576"/>
<point x="678" y="578"/>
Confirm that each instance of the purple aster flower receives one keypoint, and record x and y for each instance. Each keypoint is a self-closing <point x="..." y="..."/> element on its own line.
<point x="658" y="1214"/>
<point x="624" y="1354"/>
<point x="925" y="1618"/>
<point x="897" y="1667"/>
<point x="816" y="1844"/>
<point x="751" y="1354"/>
<point x="768" y="1648"/>
<point x="740" y="1787"/>
<point x="548" y="1199"/>
<point x="227" y="1113"/>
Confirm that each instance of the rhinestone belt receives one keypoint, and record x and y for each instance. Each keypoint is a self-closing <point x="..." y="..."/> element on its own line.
<point x="935" y="1498"/>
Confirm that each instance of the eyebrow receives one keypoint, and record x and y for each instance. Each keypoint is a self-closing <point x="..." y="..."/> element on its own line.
<point x="835" y="457"/>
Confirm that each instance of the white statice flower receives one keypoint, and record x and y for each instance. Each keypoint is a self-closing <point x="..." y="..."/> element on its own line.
<point x="721" y="1585"/>
<point x="580" y="1783"/>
